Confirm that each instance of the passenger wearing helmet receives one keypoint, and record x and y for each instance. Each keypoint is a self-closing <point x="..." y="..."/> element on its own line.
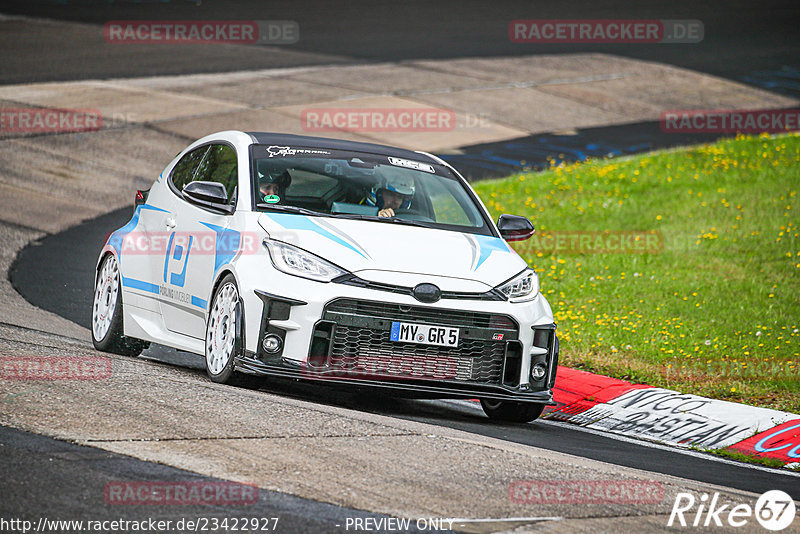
<point x="272" y="184"/>
<point x="395" y="193"/>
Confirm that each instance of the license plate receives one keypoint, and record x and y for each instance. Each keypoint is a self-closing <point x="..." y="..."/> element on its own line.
<point x="424" y="334"/>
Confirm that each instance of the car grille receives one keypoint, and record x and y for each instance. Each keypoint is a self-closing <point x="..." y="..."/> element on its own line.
<point x="398" y="312"/>
<point x="360" y="345"/>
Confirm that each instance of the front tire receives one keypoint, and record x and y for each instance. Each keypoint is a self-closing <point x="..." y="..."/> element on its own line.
<point x="223" y="333"/>
<point x="107" y="327"/>
<point x="510" y="411"/>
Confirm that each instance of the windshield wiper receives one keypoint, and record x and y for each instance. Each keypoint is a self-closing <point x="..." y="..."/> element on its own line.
<point x="305" y="211"/>
<point x="394" y="220"/>
<point x="289" y="209"/>
<point x="406" y="222"/>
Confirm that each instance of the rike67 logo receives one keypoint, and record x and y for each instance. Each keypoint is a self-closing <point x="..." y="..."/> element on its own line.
<point x="774" y="510"/>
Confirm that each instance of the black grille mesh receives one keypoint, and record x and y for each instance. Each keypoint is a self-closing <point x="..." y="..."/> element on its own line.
<point x="365" y="351"/>
<point x="397" y="312"/>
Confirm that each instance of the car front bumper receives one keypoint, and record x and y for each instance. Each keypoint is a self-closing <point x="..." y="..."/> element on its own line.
<point x="345" y="339"/>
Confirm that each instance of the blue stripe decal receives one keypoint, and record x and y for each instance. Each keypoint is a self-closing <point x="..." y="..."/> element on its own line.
<point x="153" y="288"/>
<point x="227" y="245"/>
<point x="336" y="231"/>
<point x="116" y="238"/>
<point x="140" y="284"/>
<point x="487" y="245"/>
<point x="302" y="222"/>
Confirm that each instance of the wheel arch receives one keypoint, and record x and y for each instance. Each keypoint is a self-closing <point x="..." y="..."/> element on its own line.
<point x="108" y="251"/>
<point x="217" y="281"/>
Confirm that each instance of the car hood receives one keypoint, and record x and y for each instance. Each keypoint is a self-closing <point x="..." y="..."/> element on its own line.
<point x="381" y="251"/>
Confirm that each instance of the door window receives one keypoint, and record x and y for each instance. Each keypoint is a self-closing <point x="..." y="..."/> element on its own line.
<point x="185" y="169"/>
<point x="219" y="165"/>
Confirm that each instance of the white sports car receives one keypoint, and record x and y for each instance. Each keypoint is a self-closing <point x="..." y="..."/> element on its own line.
<point x="321" y="259"/>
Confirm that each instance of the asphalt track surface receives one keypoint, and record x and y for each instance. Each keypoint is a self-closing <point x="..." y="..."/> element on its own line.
<point x="537" y="152"/>
<point x="742" y="38"/>
<point x="749" y="42"/>
<point x="752" y="42"/>
<point x="44" y="477"/>
<point x="56" y="273"/>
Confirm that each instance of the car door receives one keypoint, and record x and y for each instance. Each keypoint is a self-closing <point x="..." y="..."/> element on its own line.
<point x="197" y="242"/>
<point x="144" y="247"/>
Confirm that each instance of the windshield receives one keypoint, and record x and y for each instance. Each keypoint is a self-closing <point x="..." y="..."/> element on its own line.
<point x="364" y="186"/>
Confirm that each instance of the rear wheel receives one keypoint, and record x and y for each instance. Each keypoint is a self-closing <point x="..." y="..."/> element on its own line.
<point x="107" y="329"/>
<point x="510" y="411"/>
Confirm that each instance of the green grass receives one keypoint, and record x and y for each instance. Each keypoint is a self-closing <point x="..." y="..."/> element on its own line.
<point x="746" y="458"/>
<point x="716" y="310"/>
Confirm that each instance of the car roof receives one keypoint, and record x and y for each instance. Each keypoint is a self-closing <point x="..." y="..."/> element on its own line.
<point x="266" y="138"/>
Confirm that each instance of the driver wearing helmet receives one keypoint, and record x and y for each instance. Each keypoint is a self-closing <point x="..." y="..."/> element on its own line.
<point x="395" y="193"/>
<point x="273" y="183"/>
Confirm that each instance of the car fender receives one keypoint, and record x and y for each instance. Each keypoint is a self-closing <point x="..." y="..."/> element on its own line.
<point x="107" y="249"/>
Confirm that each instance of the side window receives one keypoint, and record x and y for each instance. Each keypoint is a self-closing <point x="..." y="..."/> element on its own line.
<point x="184" y="170"/>
<point x="220" y="165"/>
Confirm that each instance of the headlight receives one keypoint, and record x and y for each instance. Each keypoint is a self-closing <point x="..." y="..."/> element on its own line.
<point x="521" y="288"/>
<point x="296" y="261"/>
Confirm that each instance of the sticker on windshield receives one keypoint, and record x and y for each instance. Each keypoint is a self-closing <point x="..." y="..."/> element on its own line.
<point x="275" y="150"/>
<point x="416" y="165"/>
<point x="272" y="199"/>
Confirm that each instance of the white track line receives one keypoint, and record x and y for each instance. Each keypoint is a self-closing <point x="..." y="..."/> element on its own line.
<point x="504" y="519"/>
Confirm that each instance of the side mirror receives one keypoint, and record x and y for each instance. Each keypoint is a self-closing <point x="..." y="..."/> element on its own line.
<point x="514" y="227"/>
<point x="208" y="195"/>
